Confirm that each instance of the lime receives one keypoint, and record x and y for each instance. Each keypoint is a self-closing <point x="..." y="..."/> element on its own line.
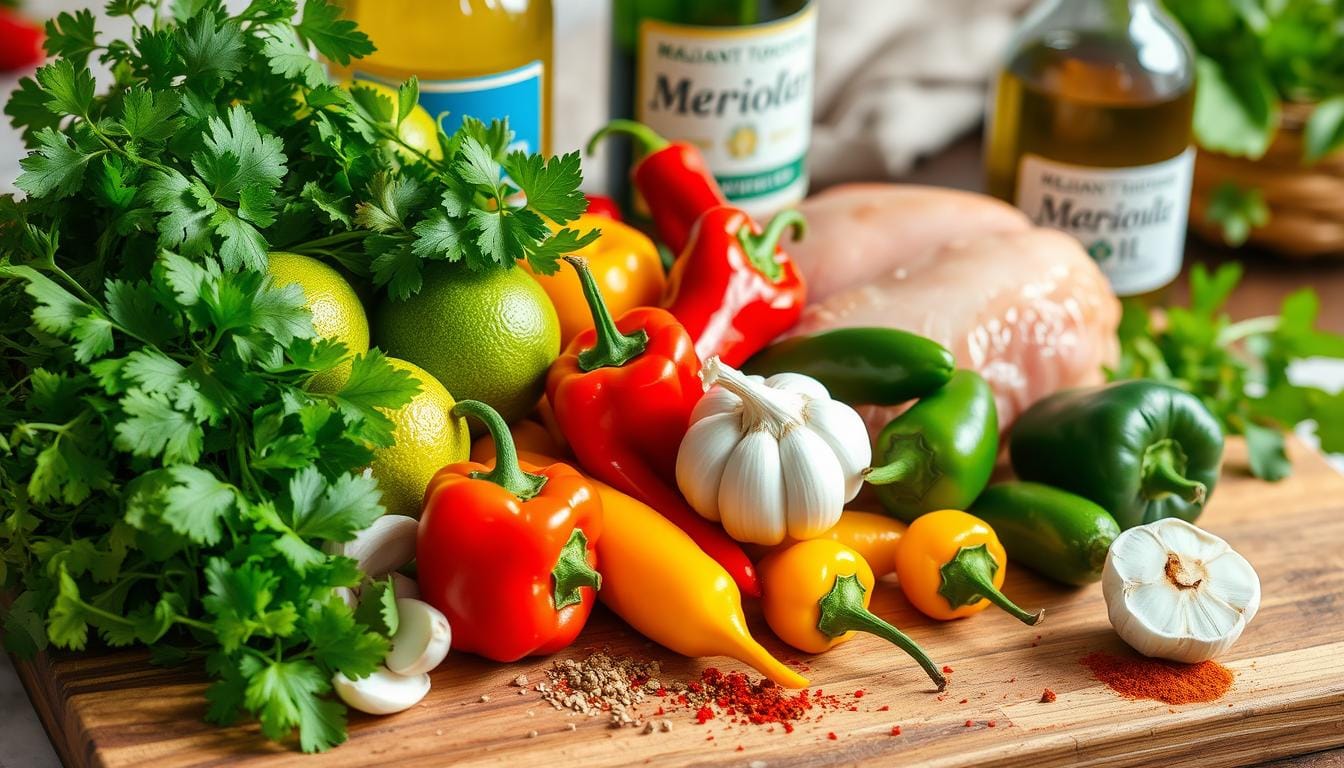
<point x="419" y="129"/>
<point x="427" y="439"/>
<point x="487" y="334"/>
<point x="337" y="312"/>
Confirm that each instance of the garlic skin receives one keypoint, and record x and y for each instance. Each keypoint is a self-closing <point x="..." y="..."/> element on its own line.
<point x="1175" y="591"/>
<point x="770" y="458"/>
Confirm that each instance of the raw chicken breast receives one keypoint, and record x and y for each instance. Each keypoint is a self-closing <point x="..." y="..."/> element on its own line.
<point x="1027" y="309"/>
<point x="858" y="231"/>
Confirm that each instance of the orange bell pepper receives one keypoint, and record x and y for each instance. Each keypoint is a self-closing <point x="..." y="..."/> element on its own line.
<point x="951" y="564"/>
<point x="625" y="264"/>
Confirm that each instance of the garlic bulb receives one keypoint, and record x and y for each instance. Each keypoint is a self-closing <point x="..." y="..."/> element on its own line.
<point x="771" y="457"/>
<point x="1175" y="591"/>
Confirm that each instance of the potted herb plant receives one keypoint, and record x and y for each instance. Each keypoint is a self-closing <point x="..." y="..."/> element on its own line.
<point x="1269" y="122"/>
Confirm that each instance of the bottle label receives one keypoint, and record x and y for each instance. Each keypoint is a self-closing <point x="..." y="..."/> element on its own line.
<point x="515" y="94"/>
<point x="1130" y="220"/>
<point x="743" y="95"/>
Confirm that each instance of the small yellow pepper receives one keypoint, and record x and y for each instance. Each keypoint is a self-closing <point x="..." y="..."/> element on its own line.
<point x="951" y="564"/>
<point x="625" y="264"/>
<point x="528" y="436"/>
<point x="816" y="596"/>
<point x="875" y="537"/>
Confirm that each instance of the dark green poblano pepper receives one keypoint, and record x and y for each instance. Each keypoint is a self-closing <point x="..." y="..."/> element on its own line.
<point x="1141" y="449"/>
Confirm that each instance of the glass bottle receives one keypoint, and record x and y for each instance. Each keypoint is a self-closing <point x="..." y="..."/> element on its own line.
<point x="733" y="77"/>
<point x="485" y="58"/>
<point x="1090" y="133"/>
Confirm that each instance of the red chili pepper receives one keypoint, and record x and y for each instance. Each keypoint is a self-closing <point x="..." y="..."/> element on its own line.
<point x="622" y="393"/>
<point x="733" y="287"/>
<point x="673" y="179"/>
<point x="508" y="554"/>
<point x="601" y="205"/>
<point x="20" y="42"/>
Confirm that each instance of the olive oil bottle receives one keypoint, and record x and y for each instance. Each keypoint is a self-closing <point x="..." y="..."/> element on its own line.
<point x="1090" y="133"/>
<point x="488" y="59"/>
<point x="733" y="77"/>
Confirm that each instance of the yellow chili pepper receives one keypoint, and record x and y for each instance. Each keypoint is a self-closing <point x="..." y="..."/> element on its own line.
<point x="527" y="435"/>
<point x="951" y="564"/>
<point x="875" y="537"/>
<point x="816" y="596"/>
<point x="625" y="264"/>
<point x="658" y="580"/>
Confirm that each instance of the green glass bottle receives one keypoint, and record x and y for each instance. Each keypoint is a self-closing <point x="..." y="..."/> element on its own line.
<point x="733" y="78"/>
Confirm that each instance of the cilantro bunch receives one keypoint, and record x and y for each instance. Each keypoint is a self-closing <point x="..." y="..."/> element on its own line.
<point x="167" y="478"/>
<point x="1239" y="369"/>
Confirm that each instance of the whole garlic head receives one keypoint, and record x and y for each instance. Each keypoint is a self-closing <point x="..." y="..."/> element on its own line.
<point x="771" y="457"/>
<point x="1175" y="591"/>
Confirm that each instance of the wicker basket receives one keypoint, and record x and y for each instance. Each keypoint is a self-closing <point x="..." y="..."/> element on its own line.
<point x="1306" y="203"/>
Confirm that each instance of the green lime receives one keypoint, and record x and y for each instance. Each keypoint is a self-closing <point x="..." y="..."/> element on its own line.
<point x="488" y="334"/>
<point x="427" y="439"/>
<point x="337" y="311"/>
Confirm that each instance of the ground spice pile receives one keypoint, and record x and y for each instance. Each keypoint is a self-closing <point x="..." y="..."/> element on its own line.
<point x="1165" y="681"/>
<point x="602" y="684"/>
<point x="739" y="699"/>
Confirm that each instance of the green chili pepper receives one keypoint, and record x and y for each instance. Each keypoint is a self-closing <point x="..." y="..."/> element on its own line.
<point x="1141" y="449"/>
<point x="1053" y="532"/>
<point x="870" y="366"/>
<point x="940" y="453"/>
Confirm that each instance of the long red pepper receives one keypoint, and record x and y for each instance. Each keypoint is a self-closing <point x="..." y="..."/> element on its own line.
<point x="733" y="287"/>
<point x="622" y="393"/>
<point x="672" y="177"/>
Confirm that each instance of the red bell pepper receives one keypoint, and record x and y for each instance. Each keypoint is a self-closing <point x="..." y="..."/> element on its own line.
<point x="509" y="554"/>
<point x="673" y="179"/>
<point x="734" y="288"/>
<point x="622" y="393"/>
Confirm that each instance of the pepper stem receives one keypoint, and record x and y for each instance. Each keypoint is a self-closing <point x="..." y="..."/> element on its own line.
<point x="612" y="348"/>
<point x="644" y="137"/>
<point x="969" y="577"/>
<point x="507" y="473"/>
<point x="572" y="572"/>
<point x="760" y="249"/>
<point x="912" y="467"/>
<point x="843" y="610"/>
<point x="1163" y="473"/>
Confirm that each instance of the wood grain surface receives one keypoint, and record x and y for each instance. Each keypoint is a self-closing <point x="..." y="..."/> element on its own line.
<point x="114" y="709"/>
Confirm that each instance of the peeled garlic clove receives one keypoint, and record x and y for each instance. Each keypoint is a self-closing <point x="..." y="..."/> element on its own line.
<point x="1175" y="591"/>
<point x="383" y="547"/>
<point x="422" y="638"/>
<point x="381" y="693"/>
<point x="404" y="586"/>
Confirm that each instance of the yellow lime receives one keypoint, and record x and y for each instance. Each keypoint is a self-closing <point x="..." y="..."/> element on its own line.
<point x="487" y="334"/>
<point x="337" y="312"/>
<point x="419" y="129"/>
<point x="428" y="438"/>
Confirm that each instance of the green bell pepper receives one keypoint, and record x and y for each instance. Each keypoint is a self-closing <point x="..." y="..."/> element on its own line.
<point x="1141" y="449"/>
<point x="861" y="366"/>
<point x="1053" y="532"/>
<point x="940" y="453"/>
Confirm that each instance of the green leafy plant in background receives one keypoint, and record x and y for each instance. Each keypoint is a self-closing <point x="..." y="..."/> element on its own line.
<point x="1239" y="369"/>
<point x="1254" y="55"/>
<point x="167" y="478"/>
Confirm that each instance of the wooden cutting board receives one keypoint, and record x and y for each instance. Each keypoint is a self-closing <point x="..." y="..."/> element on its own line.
<point x="114" y="709"/>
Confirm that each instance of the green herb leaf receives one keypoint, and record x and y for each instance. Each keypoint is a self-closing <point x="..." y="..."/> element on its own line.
<point x="1236" y="108"/>
<point x="1324" y="133"/>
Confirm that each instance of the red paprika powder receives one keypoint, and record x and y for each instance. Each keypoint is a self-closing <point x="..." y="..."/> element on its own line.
<point x="1137" y="677"/>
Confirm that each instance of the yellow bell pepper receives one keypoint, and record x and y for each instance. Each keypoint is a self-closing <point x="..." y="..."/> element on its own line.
<point x="951" y="564"/>
<point x="625" y="264"/>
<point x="657" y="580"/>
<point x="816" y="596"/>
<point x="875" y="537"/>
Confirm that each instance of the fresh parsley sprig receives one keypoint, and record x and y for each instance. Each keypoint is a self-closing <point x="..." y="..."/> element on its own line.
<point x="167" y="478"/>
<point x="1239" y="369"/>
